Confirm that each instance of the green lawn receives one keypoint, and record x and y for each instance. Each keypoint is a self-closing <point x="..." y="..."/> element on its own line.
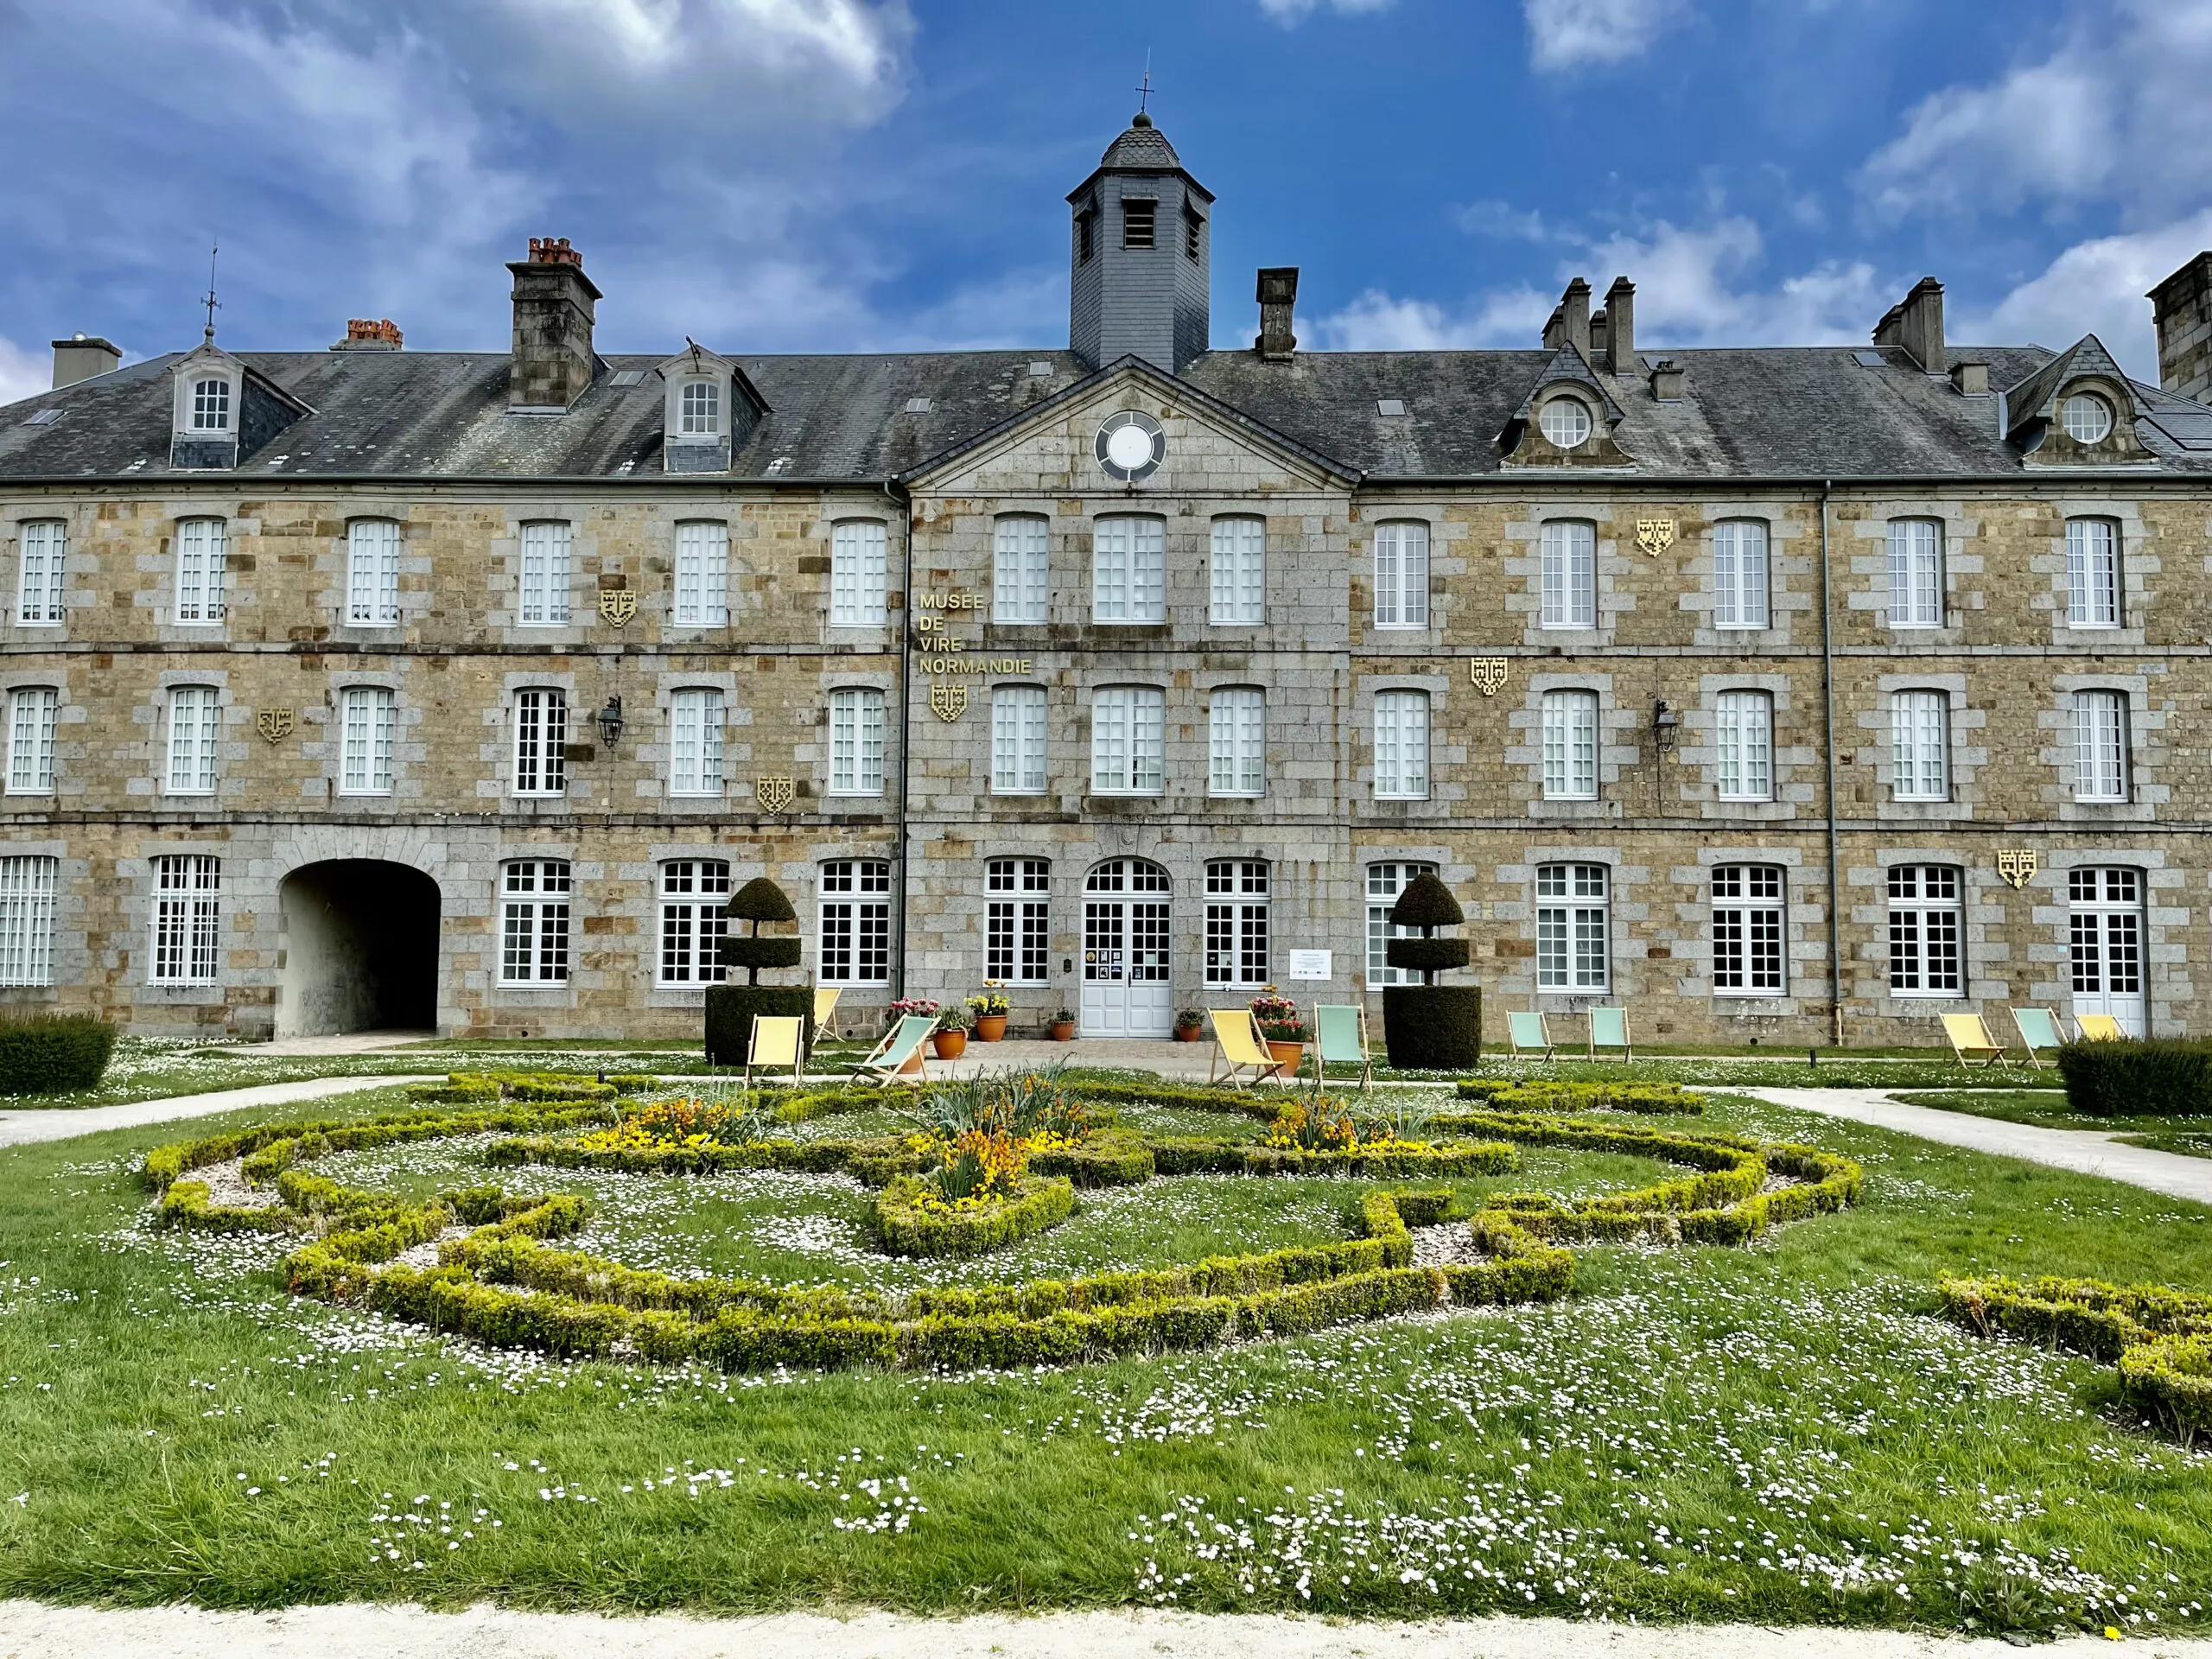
<point x="1780" y="1435"/>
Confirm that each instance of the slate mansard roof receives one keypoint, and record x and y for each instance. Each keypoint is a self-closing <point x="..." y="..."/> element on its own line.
<point x="1809" y="412"/>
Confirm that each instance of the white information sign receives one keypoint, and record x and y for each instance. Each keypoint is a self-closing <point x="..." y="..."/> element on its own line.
<point x="1310" y="964"/>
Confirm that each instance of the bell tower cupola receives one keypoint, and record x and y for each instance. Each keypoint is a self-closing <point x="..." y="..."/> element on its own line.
<point x="1140" y="256"/>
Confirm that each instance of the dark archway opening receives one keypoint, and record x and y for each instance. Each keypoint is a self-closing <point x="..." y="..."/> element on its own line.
<point x="361" y="949"/>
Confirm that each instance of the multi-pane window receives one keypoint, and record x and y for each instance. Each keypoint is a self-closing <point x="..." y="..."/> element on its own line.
<point x="1128" y="570"/>
<point x="694" y="741"/>
<point x="1128" y="741"/>
<point x="856" y="913"/>
<point x="543" y="601"/>
<point x="1021" y="563"/>
<point x="1402" y="576"/>
<point x="1925" y="931"/>
<point x="32" y="712"/>
<point x="201" y="555"/>
<point x="1570" y="746"/>
<point x="702" y="573"/>
<point x="1740" y="574"/>
<point x="373" y="572"/>
<point x="2092" y="573"/>
<point x="1236" y="922"/>
<point x="1915" y="573"/>
<point x="860" y="553"/>
<point x="699" y="409"/>
<point x="43" y="552"/>
<point x="541" y="741"/>
<point x="692" y="894"/>
<point x="2100" y="746"/>
<point x="1402" y="745"/>
<point x="534" y="896"/>
<point x="1018" y="930"/>
<point x="187" y="918"/>
<point x="366" y="714"/>
<point x="1236" y="741"/>
<point x="1567" y="554"/>
<point x="195" y="715"/>
<point x="2105" y="943"/>
<point x="1747" y="930"/>
<point x="1239" y="570"/>
<point x="26" y="920"/>
<point x="1920" y="767"/>
<point x="1573" y="928"/>
<point x="1385" y="882"/>
<point x="1742" y="737"/>
<point x="856" y="741"/>
<point x="211" y="405"/>
<point x="1018" y="740"/>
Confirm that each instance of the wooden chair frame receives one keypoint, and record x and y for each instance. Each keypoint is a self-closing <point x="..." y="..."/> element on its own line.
<point x="1241" y="1027"/>
<point x="776" y="1040"/>
<point x="1320" y="1053"/>
<point x="888" y="1059"/>
<point x="1544" y="1031"/>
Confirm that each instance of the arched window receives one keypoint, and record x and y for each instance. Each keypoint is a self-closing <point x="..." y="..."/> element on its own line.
<point x="855" y="932"/>
<point x="1926" y="931"/>
<point x="2105" y="930"/>
<point x="1573" y="928"/>
<point x="534" y="894"/>
<point x="1749" y="930"/>
<point x="1236" y="922"/>
<point x="692" y="894"/>
<point x="700" y="408"/>
<point x="211" y="405"/>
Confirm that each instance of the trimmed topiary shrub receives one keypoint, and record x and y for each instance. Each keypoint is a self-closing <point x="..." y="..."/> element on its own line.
<point x="758" y="900"/>
<point x="47" y="1054"/>
<point x="2168" y="1076"/>
<point x="731" y="1008"/>
<point x="1430" y="1027"/>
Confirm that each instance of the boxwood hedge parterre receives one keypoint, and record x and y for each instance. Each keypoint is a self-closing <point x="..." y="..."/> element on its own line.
<point x="507" y="1284"/>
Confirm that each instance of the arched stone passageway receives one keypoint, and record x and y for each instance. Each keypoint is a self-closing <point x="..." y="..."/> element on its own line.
<point x="361" y="949"/>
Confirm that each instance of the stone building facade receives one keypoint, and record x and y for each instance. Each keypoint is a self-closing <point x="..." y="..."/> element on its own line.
<point x="1795" y="693"/>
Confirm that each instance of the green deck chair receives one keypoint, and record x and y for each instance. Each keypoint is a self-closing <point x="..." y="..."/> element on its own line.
<point x="2038" y="1028"/>
<point x="1342" y="1034"/>
<point x="1529" y="1036"/>
<point x="1609" y="1030"/>
<point x="899" y="1044"/>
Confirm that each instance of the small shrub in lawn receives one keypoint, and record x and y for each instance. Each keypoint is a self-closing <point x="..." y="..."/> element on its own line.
<point x="2159" y="1075"/>
<point x="51" y="1054"/>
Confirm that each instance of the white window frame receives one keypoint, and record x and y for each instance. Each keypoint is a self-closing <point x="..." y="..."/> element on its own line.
<point x="2100" y="745"/>
<point x="195" y="721"/>
<point x="34" y="711"/>
<point x="856" y="740"/>
<point x="1018" y="921"/>
<point x="1237" y="572"/>
<point x="696" y="715"/>
<point x="1128" y="741"/>
<point x="2095" y="407"/>
<point x="1386" y="882"/>
<point x="1128" y="568"/>
<point x="42" y="569"/>
<point x="1236" y="741"/>
<point x="541" y="741"/>
<point x="1564" y="422"/>
<point x="1401" y="727"/>
<point x="26" y="885"/>
<point x="699" y="408"/>
<point x="1021" y="569"/>
<point x="2093" y="551"/>
<point x="1915" y="573"/>
<point x="853" y="923"/>
<point x="1402" y="574"/>
<point x="1920" y="746"/>
<point x="1018" y="740"/>
<point x="1750" y="930"/>
<point x="1574" y="929"/>
<point x="693" y="892"/>
<point x="702" y="573"/>
<point x="1567" y="559"/>
<point x="208" y="404"/>
<point x="536" y="921"/>
<point x="1742" y="580"/>
<point x="1926" y="937"/>
<point x="202" y="567"/>
<point x="373" y="572"/>
<point x="187" y="920"/>
<point x="543" y="582"/>
<point x="860" y="573"/>
<point x="1743" y="745"/>
<point x="1570" y="745"/>
<point x="368" y="716"/>
<point x="1238" y="944"/>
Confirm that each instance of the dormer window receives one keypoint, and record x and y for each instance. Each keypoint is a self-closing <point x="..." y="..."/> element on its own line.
<point x="2087" y="417"/>
<point x="1564" y="422"/>
<point x="702" y="411"/>
<point x="211" y="405"/>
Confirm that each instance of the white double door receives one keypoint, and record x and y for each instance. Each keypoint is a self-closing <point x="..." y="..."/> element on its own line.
<point x="1127" y="983"/>
<point x="2105" y="928"/>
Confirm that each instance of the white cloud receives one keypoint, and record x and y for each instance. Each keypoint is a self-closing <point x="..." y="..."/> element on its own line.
<point x="1377" y="322"/>
<point x="23" y="374"/>
<point x="1566" y="35"/>
<point x="2095" y="288"/>
<point x="1291" y="13"/>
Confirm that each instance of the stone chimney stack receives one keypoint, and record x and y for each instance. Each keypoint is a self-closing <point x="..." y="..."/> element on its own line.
<point x="1278" y="300"/>
<point x="1916" y="323"/>
<point x="554" y="301"/>
<point x="82" y="356"/>
<point x="1620" y="327"/>
<point x="2182" y="307"/>
<point x="370" y="334"/>
<point x="1574" y="313"/>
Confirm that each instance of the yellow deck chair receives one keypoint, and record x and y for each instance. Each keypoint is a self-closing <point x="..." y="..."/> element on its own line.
<point x="1969" y="1038"/>
<point x="2039" y="1029"/>
<point x="776" y="1042"/>
<point x="901" y="1044"/>
<point x="1529" y="1036"/>
<point x="1237" y="1042"/>
<point x="2098" y="1028"/>
<point x="825" y="1004"/>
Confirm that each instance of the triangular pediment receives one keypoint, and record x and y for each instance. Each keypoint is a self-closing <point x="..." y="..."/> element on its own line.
<point x="1522" y="443"/>
<point x="2032" y="408"/>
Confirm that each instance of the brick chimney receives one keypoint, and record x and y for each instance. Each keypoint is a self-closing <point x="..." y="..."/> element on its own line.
<point x="2182" y="307"/>
<point x="1619" y="353"/>
<point x="82" y="356"/>
<point x="1916" y="322"/>
<point x="554" y="303"/>
<point x="1278" y="298"/>
<point x="370" y="334"/>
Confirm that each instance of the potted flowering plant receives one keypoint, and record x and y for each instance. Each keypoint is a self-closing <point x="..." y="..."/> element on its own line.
<point x="1062" y="1024"/>
<point x="950" y="1039"/>
<point x="991" y="1010"/>
<point x="1189" y="1023"/>
<point x="1281" y="1026"/>
<point x="924" y="1006"/>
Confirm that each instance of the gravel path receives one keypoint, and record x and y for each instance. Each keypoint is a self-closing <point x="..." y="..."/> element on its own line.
<point x="2085" y="1151"/>
<point x="30" y="1631"/>
<point x="19" y="1128"/>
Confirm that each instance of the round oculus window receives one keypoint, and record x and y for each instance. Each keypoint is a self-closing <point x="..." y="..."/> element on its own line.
<point x="1130" y="447"/>
<point x="1564" y="422"/>
<point x="2087" y="417"/>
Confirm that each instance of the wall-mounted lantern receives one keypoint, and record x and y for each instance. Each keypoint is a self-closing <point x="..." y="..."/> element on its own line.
<point x="609" y="721"/>
<point x="1665" y="725"/>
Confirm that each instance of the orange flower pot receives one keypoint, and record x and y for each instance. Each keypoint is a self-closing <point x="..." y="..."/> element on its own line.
<point x="1063" y="1031"/>
<point x="948" y="1044"/>
<point x="990" y="1028"/>
<point x="1291" y="1054"/>
<point x="1189" y="1033"/>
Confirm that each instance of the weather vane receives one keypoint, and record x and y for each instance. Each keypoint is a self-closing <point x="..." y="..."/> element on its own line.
<point x="1144" y="90"/>
<point x="212" y="303"/>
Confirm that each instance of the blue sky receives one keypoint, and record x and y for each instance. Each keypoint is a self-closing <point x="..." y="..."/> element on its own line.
<point x="852" y="175"/>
